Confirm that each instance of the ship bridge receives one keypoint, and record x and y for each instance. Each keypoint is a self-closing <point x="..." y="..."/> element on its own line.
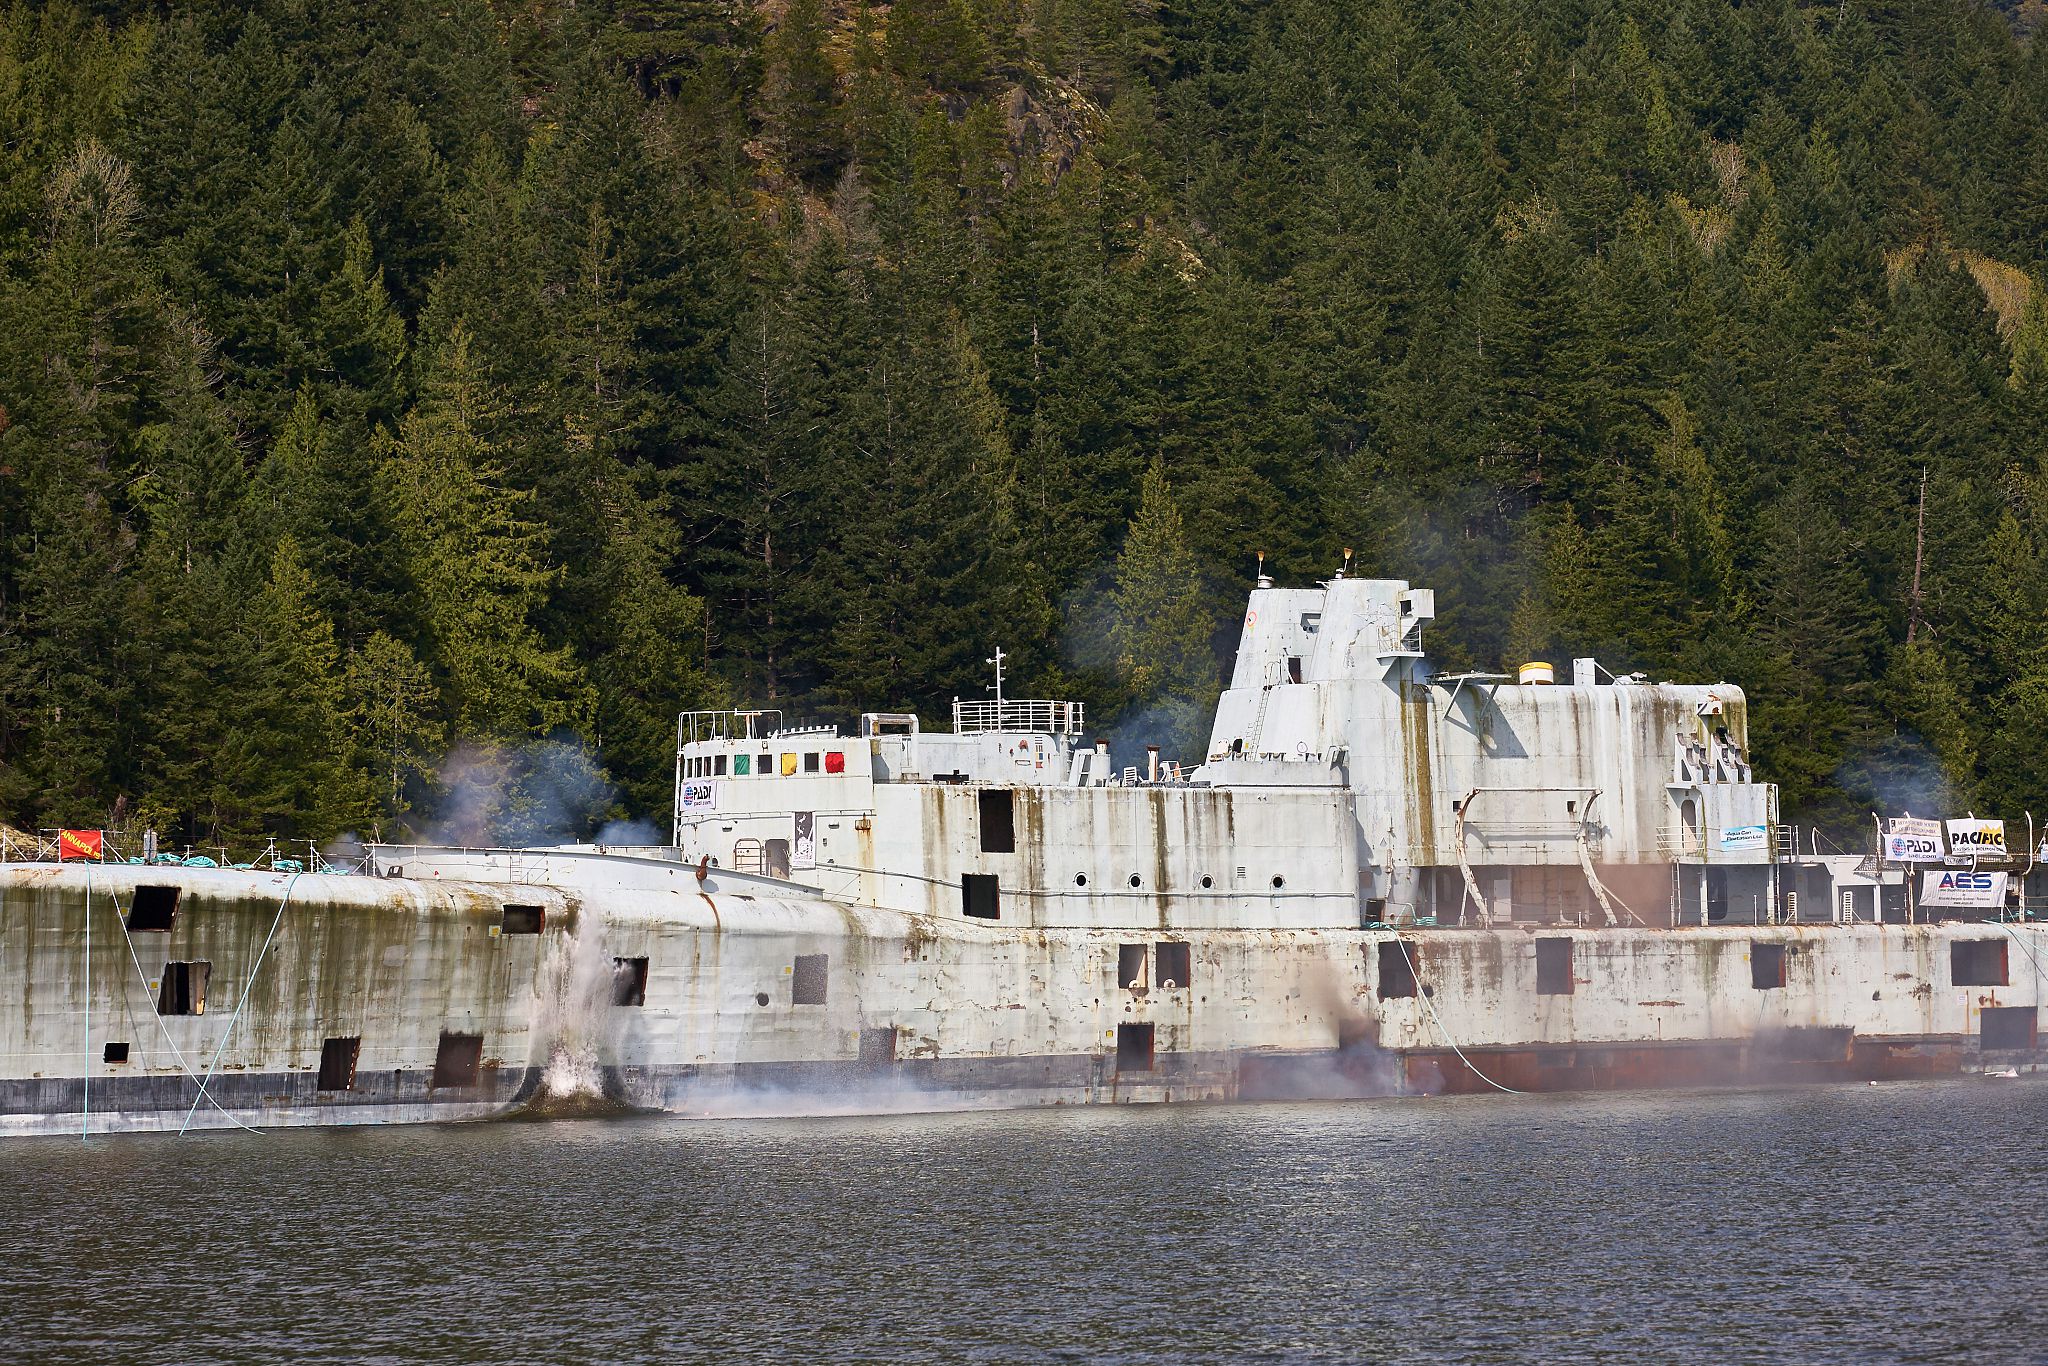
<point x="1488" y="795"/>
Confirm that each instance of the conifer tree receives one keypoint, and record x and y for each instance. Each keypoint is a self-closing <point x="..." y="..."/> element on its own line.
<point x="1160" y="628"/>
<point x="476" y="559"/>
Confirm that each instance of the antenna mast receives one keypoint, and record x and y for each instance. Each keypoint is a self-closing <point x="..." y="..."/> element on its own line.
<point x="998" y="662"/>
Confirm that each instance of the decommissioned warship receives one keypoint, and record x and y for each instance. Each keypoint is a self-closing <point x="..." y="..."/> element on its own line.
<point x="1380" y="879"/>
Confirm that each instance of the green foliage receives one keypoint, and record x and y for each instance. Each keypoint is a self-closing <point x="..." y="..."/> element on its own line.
<point x="678" y="351"/>
<point x="1160" y="625"/>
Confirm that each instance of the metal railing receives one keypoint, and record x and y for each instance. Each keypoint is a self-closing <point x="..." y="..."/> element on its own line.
<point x="1031" y="715"/>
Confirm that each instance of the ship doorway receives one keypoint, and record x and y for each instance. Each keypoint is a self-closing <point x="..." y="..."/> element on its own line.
<point x="775" y="858"/>
<point x="1689" y="824"/>
<point x="1134" y="1048"/>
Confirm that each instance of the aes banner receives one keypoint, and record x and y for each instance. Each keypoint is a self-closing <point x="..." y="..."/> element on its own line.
<point x="1963" y="889"/>
<point x="1907" y="840"/>
<point x="1984" y="839"/>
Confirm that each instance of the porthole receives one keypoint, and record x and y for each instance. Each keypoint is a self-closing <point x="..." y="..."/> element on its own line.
<point x="1080" y="879"/>
<point x="760" y="998"/>
<point x="1207" y="882"/>
<point x="1137" y="881"/>
<point x="1278" y="882"/>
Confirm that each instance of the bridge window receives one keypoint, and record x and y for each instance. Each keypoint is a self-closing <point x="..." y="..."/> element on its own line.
<point x="1977" y="963"/>
<point x="998" y="821"/>
<point x="764" y="766"/>
<point x="718" y="765"/>
<point x="1553" y="967"/>
<point x="812" y="760"/>
<point x="154" y="908"/>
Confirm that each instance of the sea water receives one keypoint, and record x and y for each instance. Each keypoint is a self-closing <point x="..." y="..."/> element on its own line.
<point x="1902" y="1222"/>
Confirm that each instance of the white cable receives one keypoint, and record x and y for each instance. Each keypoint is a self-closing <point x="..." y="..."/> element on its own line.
<point x="1438" y="1022"/>
<point x="165" y="1029"/>
<point x="233" y="1019"/>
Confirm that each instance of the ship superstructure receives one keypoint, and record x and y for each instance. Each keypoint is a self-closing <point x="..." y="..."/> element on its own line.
<point x="1344" y="784"/>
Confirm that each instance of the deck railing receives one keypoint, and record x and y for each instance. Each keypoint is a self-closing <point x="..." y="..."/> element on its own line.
<point x="1030" y="715"/>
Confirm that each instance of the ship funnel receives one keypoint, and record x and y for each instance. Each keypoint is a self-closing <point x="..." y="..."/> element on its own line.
<point x="1265" y="580"/>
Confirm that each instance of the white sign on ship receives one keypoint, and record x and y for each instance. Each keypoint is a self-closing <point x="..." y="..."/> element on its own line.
<point x="1985" y="839"/>
<point x="1962" y="889"/>
<point x="1745" y="837"/>
<point x="1907" y="840"/>
<point x="700" y="796"/>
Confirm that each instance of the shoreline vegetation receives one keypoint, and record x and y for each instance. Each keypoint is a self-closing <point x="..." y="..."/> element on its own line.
<point x="406" y="410"/>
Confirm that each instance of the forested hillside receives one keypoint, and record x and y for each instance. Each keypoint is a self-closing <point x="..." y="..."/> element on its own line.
<point x="396" y="394"/>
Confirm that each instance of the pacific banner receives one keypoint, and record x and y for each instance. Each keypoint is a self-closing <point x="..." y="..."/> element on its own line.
<point x="1962" y="889"/>
<point x="1975" y="838"/>
<point x="80" y="844"/>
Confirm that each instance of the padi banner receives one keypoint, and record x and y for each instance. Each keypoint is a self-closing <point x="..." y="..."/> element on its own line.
<point x="1963" y="889"/>
<point x="804" y="853"/>
<point x="1975" y="838"/>
<point x="1907" y="840"/>
<point x="700" y="796"/>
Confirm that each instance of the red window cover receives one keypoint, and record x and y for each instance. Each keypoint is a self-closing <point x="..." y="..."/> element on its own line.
<point x="835" y="761"/>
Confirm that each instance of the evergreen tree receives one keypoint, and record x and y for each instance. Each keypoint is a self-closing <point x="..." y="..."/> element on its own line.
<point x="1160" y="626"/>
<point x="476" y="559"/>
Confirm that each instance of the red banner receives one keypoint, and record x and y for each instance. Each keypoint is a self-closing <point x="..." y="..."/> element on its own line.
<point x="76" y="844"/>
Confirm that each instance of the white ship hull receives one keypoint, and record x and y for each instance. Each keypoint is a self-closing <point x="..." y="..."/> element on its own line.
<point x="758" y="999"/>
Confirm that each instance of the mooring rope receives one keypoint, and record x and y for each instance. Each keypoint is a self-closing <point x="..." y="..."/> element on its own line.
<point x="1437" y="1020"/>
<point x="233" y="1019"/>
<point x="85" y="989"/>
<point x="163" y="1028"/>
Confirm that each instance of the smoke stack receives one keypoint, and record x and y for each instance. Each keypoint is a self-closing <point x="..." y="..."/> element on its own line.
<point x="1265" y="580"/>
<point x="1151" y="763"/>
